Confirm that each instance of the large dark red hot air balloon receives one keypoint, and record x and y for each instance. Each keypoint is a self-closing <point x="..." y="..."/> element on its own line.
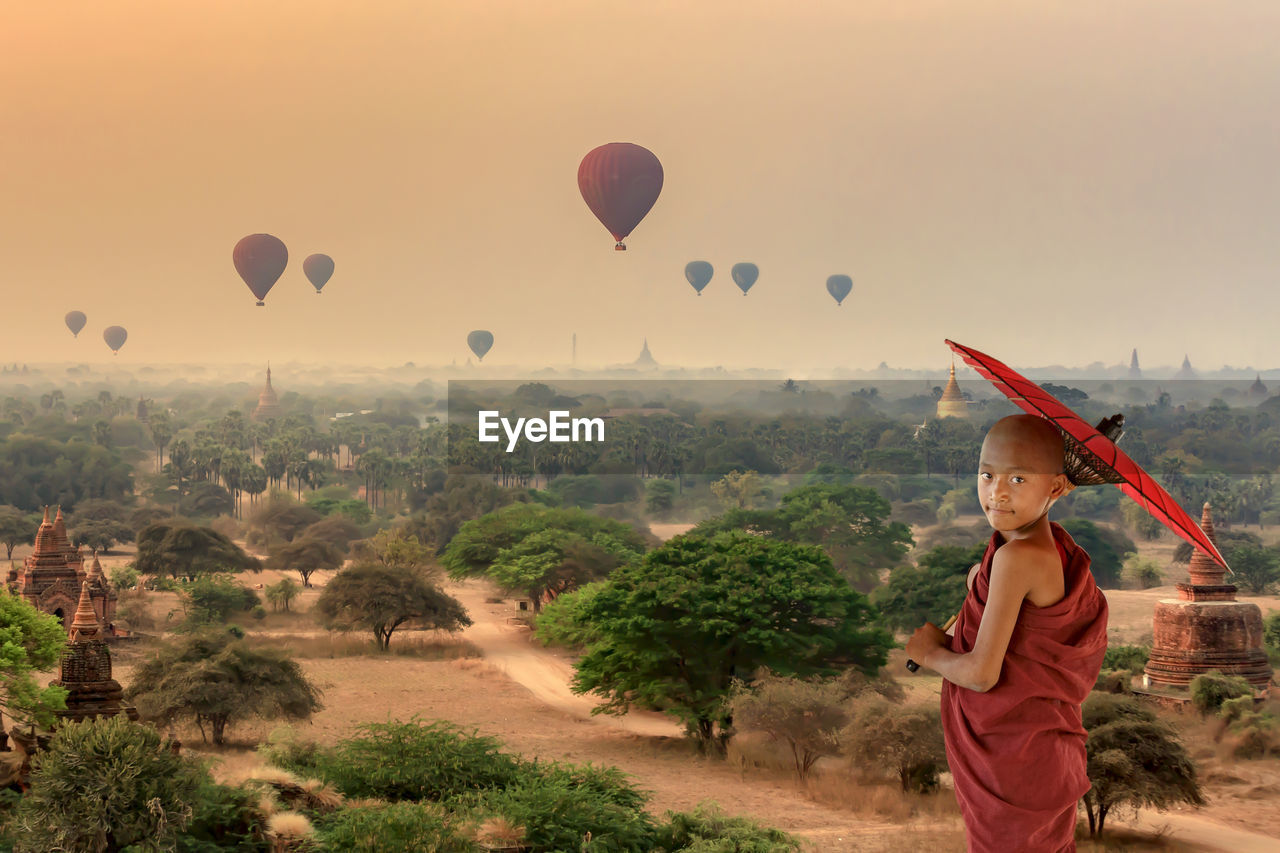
<point x="620" y="182"/>
<point x="115" y="337"/>
<point x="260" y="259"/>
<point x="75" y="322"/>
<point x="318" y="269"/>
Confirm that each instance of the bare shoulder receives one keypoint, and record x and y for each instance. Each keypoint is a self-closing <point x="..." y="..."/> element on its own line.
<point x="1032" y="568"/>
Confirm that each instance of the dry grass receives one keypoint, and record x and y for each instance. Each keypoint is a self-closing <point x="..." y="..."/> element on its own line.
<point x="310" y="646"/>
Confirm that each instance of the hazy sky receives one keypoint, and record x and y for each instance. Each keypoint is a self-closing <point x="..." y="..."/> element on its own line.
<point x="1052" y="182"/>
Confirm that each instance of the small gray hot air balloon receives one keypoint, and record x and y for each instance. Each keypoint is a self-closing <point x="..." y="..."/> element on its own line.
<point x="699" y="274"/>
<point x="115" y="336"/>
<point x="839" y="287"/>
<point x="745" y="275"/>
<point x="480" y="342"/>
<point x="75" y="322"/>
<point x="318" y="269"/>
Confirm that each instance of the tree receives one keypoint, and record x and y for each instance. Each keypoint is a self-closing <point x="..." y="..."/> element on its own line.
<point x="930" y="591"/>
<point x="553" y="561"/>
<point x="394" y="546"/>
<point x="181" y="549"/>
<point x="30" y="642"/>
<point x="214" y="598"/>
<point x="1257" y="568"/>
<point x="1133" y="760"/>
<point x="107" y="784"/>
<point x="281" y="519"/>
<point x="478" y="544"/>
<point x="338" y="530"/>
<point x="16" y="528"/>
<point x="905" y="738"/>
<point x="382" y="598"/>
<point x="1141" y="572"/>
<point x="1106" y="549"/>
<point x="678" y="627"/>
<point x="282" y="594"/>
<point x="562" y="621"/>
<point x="101" y="534"/>
<point x="805" y="714"/>
<point x="739" y="490"/>
<point x="306" y="557"/>
<point x="219" y="680"/>
<point x="850" y="523"/>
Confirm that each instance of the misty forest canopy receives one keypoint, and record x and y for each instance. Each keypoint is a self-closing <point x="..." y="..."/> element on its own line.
<point x="200" y="454"/>
<point x="37" y="472"/>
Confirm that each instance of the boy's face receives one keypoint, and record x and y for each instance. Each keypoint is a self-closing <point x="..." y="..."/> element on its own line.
<point x="1020" y="472"/>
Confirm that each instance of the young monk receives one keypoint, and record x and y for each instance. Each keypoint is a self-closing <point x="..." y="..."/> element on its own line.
<point x="1025" y="651"/>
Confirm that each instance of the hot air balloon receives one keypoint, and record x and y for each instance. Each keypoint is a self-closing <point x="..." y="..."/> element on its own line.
<point x="699" y="274"/>
<point x="318" y="268"/>
<point x="839" y="286"/>
<point x="260" y="259"/>
<point x="480" y="342"/>
<point x="75" y="322"/>
<point x="115" y="337"/>
<point x="745" y="275"/>
<point x="620" y="182"/>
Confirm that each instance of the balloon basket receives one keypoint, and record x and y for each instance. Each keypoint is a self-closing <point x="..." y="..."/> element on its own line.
<point x="261" y="304"/>
<point x="621" y="247"/>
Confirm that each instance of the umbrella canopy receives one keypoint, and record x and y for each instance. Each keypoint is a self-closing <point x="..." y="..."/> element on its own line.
<point x="1091" y="449"/>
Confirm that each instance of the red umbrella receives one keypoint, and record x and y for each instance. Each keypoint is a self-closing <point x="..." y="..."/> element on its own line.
<point x="1096" y="453"/>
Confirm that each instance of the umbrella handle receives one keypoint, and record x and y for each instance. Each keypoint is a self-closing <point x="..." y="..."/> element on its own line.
<point x="912" y="665"/>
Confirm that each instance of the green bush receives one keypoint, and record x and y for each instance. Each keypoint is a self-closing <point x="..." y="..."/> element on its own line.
<point x="106" y="784"/>
<point x="214" y="598"/>
<point x="1236" y="709"/>
<point x="224" y="819"/>
<point x="393" y="826"/>
<point x="557" y="811"/>
<point x="1114" y="681"/>
<point x="707" y="829"/>
<point x="406" y="761"/>
<point x="1271" y="631"/>
<point x="123" y="577"/>
<point x="1132" y="658"/>
<point x="1210" y="690"/>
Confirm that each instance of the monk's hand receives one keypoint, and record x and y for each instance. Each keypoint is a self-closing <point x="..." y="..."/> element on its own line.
<point x="927" y="639"/>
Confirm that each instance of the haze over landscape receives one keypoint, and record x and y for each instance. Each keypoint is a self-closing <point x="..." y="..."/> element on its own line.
<point x="977" y="170"/>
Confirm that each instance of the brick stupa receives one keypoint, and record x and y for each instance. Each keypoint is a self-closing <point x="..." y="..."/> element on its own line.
<point x="1205" y="628"/>
<point x="86" y="669"/>
<point x="50" y="578"/>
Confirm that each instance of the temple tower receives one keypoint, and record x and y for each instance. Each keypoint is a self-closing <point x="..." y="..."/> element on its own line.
<point x="46" y="580"/>
<point x="1186" y="371"/>
<point x="952" y="403"/>
<point x="268" y="402"/>
<point x="1257" y="389"/>
<point x="1205" y="628"/>
<point x="1135" y="372"/>
<point x="86" y="670"/>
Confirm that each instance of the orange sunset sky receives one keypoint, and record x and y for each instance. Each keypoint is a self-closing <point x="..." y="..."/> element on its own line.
<point x="1053" y="182"/>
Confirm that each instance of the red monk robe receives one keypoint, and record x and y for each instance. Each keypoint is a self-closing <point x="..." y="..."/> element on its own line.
<point x="1017" y="752"/>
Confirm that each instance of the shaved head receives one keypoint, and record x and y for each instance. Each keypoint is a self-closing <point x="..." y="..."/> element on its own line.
<point x="1028" y="442"/>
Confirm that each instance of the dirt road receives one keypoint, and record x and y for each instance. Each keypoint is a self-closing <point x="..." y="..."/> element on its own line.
<point x="544" y="673"/>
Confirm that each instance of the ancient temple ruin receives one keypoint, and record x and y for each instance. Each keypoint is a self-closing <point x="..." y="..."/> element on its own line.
<point x="86" y="669"/>
<point x="1205" y="628"/>
<point x="52" y="577"/>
